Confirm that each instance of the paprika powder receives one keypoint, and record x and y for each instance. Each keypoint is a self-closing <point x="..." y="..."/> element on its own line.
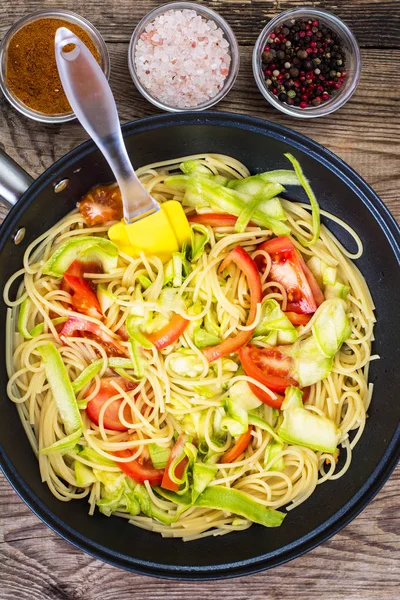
<point x="31" y="71"/>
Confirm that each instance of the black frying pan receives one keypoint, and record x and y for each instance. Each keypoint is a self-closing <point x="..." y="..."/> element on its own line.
<point x="260" y="145"/>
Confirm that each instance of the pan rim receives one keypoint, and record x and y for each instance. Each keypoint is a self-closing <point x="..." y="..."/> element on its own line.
<point x="378" y="476"/>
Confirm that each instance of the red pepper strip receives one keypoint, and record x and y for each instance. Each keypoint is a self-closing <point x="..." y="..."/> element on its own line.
<point x="241" y="444"/>
<point x="215" y="219"/>
<point x="169" y="333"/>
<point x="75" y="325"/>
<point x="297" y="318"/>
<point x="83" y="298"/>
<point x="137" y="471"/>
<point x="242" y="259"/>
<point x="168" y="483"/>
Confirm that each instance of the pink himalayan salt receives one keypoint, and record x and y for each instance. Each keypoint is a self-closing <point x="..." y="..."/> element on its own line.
<point x="182" y="59"/>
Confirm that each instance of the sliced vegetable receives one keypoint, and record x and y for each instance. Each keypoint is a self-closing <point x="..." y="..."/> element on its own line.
<point x="239" y="503"/>
<point x="338" y="290"/>
<point x="101" y="204"/>
<point x="86" y="249"/>
<point x="255" y="183"/>
<point x="240" y="401"/>
<point x="23" y="317"/>
<point x="287" y="269"/>
<point x="246" y="264"/>
<point x="271" y="205"/>
<point x="331" y="326"/>
<point x="176" y="465"/>
<point x="202" y="338"/>
<point x="64" y="445"/>
<point x="137" y="470"/>
<point x="273" y="319"/>
<point x="170" y="333"/>
<point x="186" y="362"/>
<point x="297" y="319"/>
<point x="144" y="281"/>
<point x="61" y="387"/>
<point x="201" y="191"/>
<point x="194" y="166"/>
<point x="305" y="428"/>
<point x="269" y="366"/>
<point x="94" y="457"/>
<point x="87" y="375"/>
<point x="214" y="219"/>
<point x="316" y="224"/>
<point x="239" y="447"/>
<point x="272" y="456"/>
<point x="75" y="325"/>
<point x="159" y="455"/>
<point x="83" y="299"/>
<point x="39" y="329"/>
<point x="200" y="238"/>
<point x="106" y="299"/>
<point x="309" y="362"/>
<point x="83" y="474"/>
<point x="202" y="475"/>
<point x="111" y="418"/>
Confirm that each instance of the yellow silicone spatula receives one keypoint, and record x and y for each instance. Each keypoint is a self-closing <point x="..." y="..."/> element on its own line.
<point x="165" y="227"/>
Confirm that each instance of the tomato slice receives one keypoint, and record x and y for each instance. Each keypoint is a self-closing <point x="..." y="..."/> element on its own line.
<point x="298" y="319"/>
<point x="102" y="204"/>
<point x="244" y="261"/>
<point x="215" y="219"/>
<point x="75" y="326"/>
<point x="139" y="471"/>
<point x="287" y="269"/>
<point x="269" y="366"/>
<point x="169" y="333"/>
<point x="107" y="390"/>
<point x="240" y="446"/>
<point x="312" y="282"/>
<point x="167" y="483"/>
<point x="83" y="299"/>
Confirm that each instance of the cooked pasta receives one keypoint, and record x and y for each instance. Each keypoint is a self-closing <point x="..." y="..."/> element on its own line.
<point x="180" y="392"/>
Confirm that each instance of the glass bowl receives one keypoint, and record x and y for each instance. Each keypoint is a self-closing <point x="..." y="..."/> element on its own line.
<point x="65" y="15"/>
<point x="352" y="56"/>
<point x="207" y="14"/>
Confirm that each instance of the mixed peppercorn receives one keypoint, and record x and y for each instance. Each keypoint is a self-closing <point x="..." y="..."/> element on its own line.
<point x="303" y="63"/>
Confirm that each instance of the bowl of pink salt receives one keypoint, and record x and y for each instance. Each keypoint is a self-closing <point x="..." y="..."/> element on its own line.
<point x="183" y="56"/>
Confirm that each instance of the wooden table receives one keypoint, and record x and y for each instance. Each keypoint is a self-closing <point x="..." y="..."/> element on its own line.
<point x="361" y="562"/>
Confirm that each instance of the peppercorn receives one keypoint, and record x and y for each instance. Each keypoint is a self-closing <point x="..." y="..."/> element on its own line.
<point x="303" y="63"/>
<point x="267" y="56"/>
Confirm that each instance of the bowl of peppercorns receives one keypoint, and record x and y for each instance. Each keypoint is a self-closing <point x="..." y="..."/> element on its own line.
<point x="306" y="62"/>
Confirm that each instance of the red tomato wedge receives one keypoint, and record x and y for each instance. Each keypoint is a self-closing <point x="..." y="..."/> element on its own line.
<point x="169" y="333"/>
<point x="269" y="366"/>
<point x="287" y="269"/>
<point x="246" y="264"/>
<point x="240" y="446"/>
<point x="107" y="390"/>
<point x="312" y="282"/>
<point x="84" y="300"/>
<point x="167" y="483"/>
<point x="102" y="204"/>
<point x="215" y="219"/>
<point x="75" y="326"/>
<point x="139" y="471"/>
<point x="298" y="319"/>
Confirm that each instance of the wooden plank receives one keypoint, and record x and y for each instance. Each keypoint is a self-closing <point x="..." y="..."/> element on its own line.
<point x="365" y="132"/>
<point x="359" y="563"/>
<point x="376" y="23"/>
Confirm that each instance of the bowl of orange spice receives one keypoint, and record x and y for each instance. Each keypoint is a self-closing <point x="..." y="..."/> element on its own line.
<point x="28" y="71"/>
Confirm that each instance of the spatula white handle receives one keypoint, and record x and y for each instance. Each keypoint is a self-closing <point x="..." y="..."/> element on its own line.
<point x="92" y="101"/>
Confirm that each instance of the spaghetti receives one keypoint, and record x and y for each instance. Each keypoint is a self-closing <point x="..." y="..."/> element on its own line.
<point x="165" y="400"/>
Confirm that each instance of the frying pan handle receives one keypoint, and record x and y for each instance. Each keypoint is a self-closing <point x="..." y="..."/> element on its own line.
<point x="14" y="181"/>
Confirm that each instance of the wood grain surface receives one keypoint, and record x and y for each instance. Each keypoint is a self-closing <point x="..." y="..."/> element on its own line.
<point x="362" y="562"/>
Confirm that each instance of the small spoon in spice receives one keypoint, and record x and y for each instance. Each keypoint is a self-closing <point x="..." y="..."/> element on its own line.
<point x="91" y="98"/>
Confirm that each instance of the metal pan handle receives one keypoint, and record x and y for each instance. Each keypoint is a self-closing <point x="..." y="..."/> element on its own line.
<point x="14" y="181"/>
